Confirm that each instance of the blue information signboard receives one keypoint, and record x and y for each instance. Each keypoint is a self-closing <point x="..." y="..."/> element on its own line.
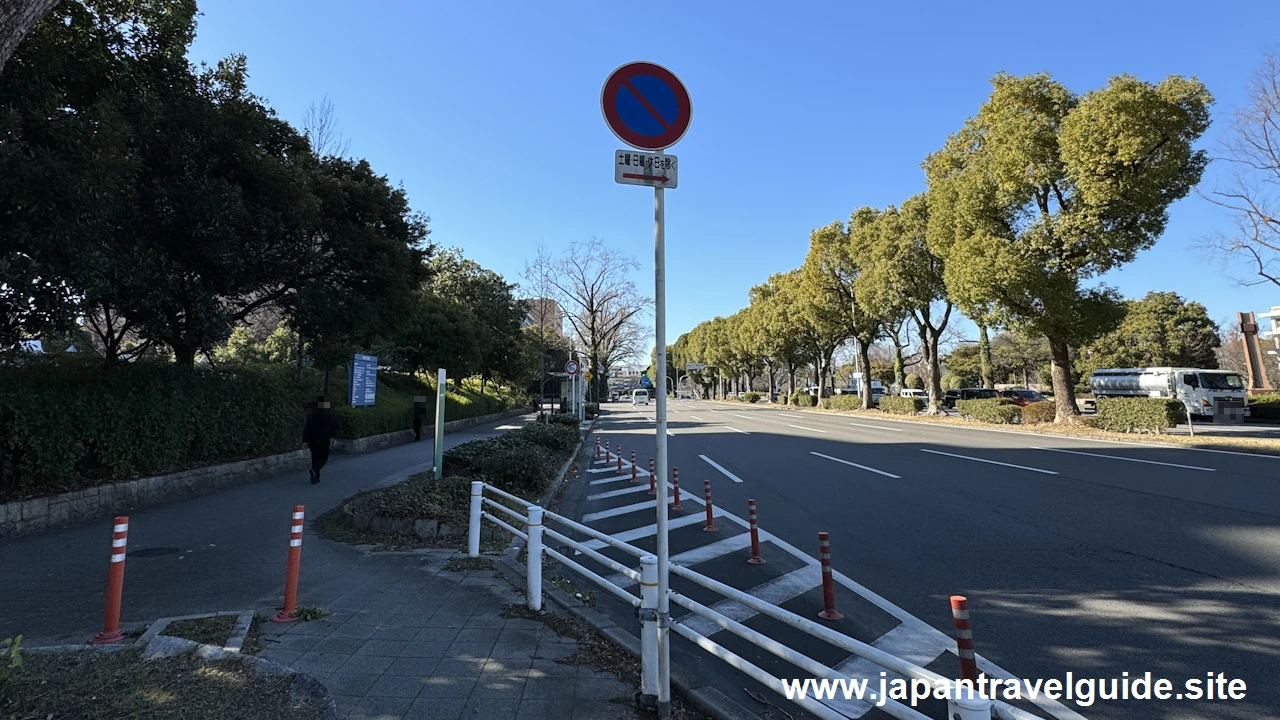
<point x="364" y="380"/>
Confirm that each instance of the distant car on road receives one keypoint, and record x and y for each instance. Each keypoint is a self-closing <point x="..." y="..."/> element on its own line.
<point x="1022" y="396"/>
<point x="640" y="397"/>
<point x="912" y="393"/>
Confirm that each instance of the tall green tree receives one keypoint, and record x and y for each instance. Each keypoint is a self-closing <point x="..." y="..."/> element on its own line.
<point x="492" y="300"/>
<point x="1044" y="189"/>
<point x="1161" y="329"/>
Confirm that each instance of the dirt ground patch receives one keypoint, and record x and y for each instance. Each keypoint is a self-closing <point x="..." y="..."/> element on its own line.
<point x="102" y="686"/>
<point x="214" y="630"/>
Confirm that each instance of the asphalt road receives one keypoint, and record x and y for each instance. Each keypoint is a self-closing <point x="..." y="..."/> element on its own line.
<point x="1076" y="555"/>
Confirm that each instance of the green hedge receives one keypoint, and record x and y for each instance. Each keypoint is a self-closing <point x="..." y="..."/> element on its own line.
<point x="991" y="410"/>
<point x="801" y="398"/>
<point x="783" y="398"/>
<point x="843" y="402"/>
<point x="1264" y="407"/>
<point x="522" y="462"/>
<point x="393" y="409"/>
<point x="901" y="405"/>
<point x="1039" y="412"/>
<point x="749" y="397"/>
<point x="75" y="425"/>
<point x="1140" y="414"/>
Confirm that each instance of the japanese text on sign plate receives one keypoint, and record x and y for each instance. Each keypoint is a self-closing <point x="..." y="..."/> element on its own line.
<point x="647" y="162"/>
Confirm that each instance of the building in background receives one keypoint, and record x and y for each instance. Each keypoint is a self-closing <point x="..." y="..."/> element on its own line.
<point x="545" y="312"/>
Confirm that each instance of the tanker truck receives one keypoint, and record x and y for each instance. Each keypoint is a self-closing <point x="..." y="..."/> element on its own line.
<point x="1217" y="394"/>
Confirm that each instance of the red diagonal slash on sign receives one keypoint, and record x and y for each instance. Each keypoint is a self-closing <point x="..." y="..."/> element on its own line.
<point x="644" y="101"/>
<point x="637" y="176"/>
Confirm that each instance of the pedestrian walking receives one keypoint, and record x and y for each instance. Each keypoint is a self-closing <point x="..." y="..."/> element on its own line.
<point x="419" y="412"/>
<point x="321" y="427"/>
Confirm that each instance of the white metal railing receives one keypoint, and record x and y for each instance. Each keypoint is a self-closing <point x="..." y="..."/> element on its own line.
<point x="647" y="604"/>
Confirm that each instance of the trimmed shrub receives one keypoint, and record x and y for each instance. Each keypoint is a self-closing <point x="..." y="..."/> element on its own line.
<point x="901" y="405"/>
<point x="803" y="399"/>
<point x="1264" y="407"/>
<point x="508" y="462"/>
<point x="843" y="402"/>
<point x="562" y="419"/>
<point x="990" y="410"/>
<point x="421" y="496"/>
<point x="913" y="382"/>
<point x="556" y="438"/>
<point x="1039" y="412"/>
<point x="1140" y="414"/>
<point x="750" y="397"/>
<point x="783" y="398"/>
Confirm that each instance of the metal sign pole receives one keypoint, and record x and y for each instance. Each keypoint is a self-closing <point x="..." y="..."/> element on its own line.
<point x="440" y="402"/>
<point x="660" y="323"/>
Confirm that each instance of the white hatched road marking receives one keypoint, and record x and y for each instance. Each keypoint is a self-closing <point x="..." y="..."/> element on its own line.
<point x="777" y="591"/>
<point x="801" y="427"/>
<point x="641" y="487"/>
<point x="738" y="542"/>
<point x="744" y="432"/>
<point x="606" y="481"/>
<point x="854" y="464"/>
<point x="717" y="466"/>
<point x="1126" y="459"/>
<point x="989" y="462"/>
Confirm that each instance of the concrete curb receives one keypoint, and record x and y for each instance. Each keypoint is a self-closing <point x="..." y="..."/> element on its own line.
<point x="244" y="618"/>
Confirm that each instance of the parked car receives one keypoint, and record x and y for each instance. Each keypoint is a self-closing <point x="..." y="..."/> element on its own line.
<point x="912" y="393"/>
<point x="951" y="396"/>
<point x="1022" y="396"/>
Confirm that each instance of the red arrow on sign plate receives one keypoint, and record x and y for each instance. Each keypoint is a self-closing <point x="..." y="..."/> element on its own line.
<point x="634" y="176"/>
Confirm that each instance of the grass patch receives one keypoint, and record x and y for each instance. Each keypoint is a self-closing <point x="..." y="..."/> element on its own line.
<point x="587" y="598"/>
<point x="1084" y="429"/>
<point x="335" y="525"/>
<point x="307" y="614"/>
<point x="464" y="564"/>
<point x="101" y="686"/>
<point x="215" y="630"/>
<point x="253" y="644"/>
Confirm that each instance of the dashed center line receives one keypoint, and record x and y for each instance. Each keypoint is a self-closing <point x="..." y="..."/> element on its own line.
<point x="1126" y="459"/>
<point x="877" y="427"/>
<point x="801" y="427"/>
<point x="695" y="417"/>
<point x="989" y="462"/>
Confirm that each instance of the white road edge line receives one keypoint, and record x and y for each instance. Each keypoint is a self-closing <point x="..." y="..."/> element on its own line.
<point x="801" y="427"/>
<point x="990" y="462"/>
<point x="860" y="467"/>
<point x="877" y="427"/>
<point x="717" y="466"/>
<point x="1117" y="457"/>
<point x="744" y="432"/>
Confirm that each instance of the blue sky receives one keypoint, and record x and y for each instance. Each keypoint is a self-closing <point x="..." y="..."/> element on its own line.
<point x="488" y="112"/>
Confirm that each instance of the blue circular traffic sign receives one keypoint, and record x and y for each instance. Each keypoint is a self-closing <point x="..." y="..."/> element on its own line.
<point x="646" y="106"/>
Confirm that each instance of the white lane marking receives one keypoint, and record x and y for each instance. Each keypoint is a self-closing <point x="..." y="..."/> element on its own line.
<point x="702" y="554"/>
<point x="717" y="466"/>
<point x="877" y="427"/>
<point x="641" y="487"/>
<point x="989" y="462"/>
<point x="748" y="417"/>
<point x="670" y="433"/>
<point x="620" y="478"/>
<point x="801" y="427"/>
<point x="776" y="591"/>
<point x="1126" y="459"/>
<point x="621" y="510"/>
<point x="860" y="467"/>
<point x="695" y="417"/>
<point x="744" y="432"/>
<point x="651" y="530"/>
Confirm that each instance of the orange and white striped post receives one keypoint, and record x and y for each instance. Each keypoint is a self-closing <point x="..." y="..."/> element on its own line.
<point x="115" y="584"/>
<point x="608" y="455"/>
<point x="964" y="638"/>
<point x="755" y="558"/>
<point x="706" y="492"/>
<point x="597" y="448"/>
<point x="829" y="611"/>
<point x="675" y="481"/>
<point x="619" y="457"/>
<point x="291" y="574"/>
<point x="633" y="466"/>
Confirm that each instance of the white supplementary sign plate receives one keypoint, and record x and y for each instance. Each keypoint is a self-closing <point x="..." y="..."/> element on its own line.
<point x="632" y="167"/>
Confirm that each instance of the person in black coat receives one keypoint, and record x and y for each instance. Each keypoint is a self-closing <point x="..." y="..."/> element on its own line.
<point x="320" y="429"/>
<point x="419" y="412"/>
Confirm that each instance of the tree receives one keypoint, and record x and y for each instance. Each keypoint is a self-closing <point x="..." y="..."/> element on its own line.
<point x="1160" y="330"/>
<point x="17" y="17"/>
<point x="964" y="364"/>
<point x="601" y="303"/>
<point x="1019" y="354"/>
<point x="913" y="382"/>
<point x="901" y="270"/>
<point x="538" y="276"/>
<point x="321" y="129"/>
<point x="1044" y="189"/>
<point x="1250" y="194"/>
<point x="492" y="301"/>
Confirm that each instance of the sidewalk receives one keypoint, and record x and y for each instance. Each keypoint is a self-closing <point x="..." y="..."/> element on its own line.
<point x="224" y="551"/>
<point x="407" y="639"/>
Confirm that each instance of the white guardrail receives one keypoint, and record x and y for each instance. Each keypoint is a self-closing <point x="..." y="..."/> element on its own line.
<point x="533" y="521"/>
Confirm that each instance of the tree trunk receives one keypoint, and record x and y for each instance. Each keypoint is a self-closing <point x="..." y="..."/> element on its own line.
<point x="184" y="355"/>
<point x="16" y="20"/>
<point x="899" y="377"/>
<point x="1064" y="393"/>
<point x="929" y="345"/>
<point x="791" y="379"/>
<point x="984" y="357"/>
<point x="864" y="362"/>
<point x="772" y="383"/>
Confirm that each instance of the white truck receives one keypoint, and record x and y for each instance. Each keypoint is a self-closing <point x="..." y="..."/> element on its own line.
<point x="1217" y="394"/>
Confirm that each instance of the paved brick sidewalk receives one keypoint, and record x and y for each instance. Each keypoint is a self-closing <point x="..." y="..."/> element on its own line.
<point x="411" y="640"/>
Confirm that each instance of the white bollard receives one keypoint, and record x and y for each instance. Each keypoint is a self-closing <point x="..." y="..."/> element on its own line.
<point x="970" y="708"/>
<point x="473" y="527"/>
<point x="649" y="631"/>
<point x="534" y="528"/>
